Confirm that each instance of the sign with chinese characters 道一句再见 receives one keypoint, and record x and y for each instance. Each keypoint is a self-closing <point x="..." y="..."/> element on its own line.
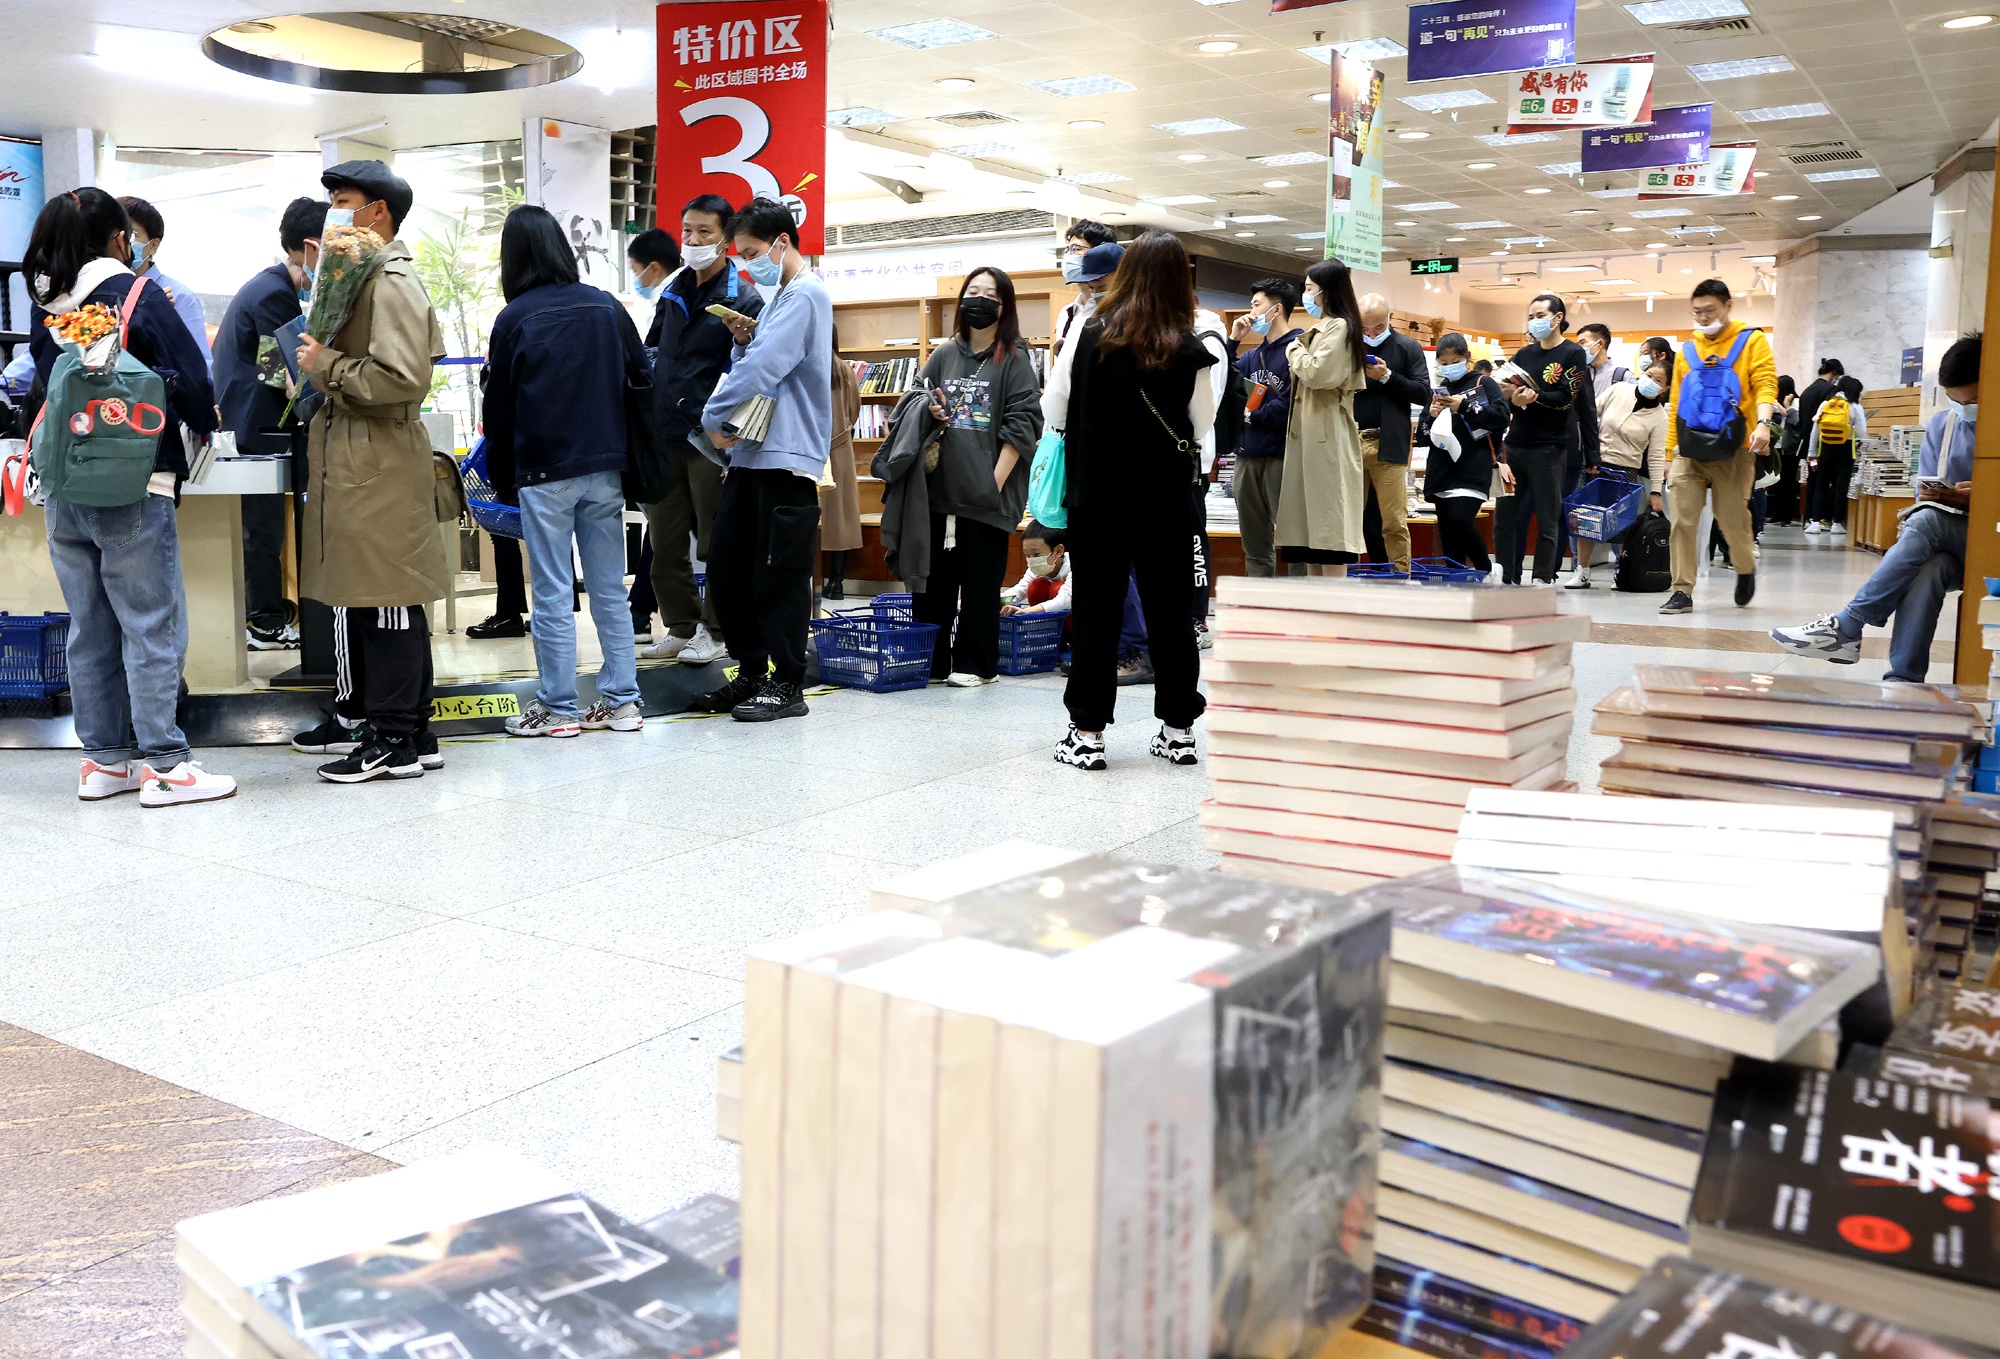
<point x="1676" y="136"/>
<point x="742" y="106"/>
<point x="1595" y="94"/>
<point x="1457" y="38"/>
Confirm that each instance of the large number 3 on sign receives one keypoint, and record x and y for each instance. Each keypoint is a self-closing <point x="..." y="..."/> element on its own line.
<point x="741" y="160"/>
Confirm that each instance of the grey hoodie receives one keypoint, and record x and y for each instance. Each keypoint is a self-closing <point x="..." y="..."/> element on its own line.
<point x="990" y="403"/>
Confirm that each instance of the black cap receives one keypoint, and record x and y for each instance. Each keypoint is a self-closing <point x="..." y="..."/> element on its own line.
<point x="376" y="180"/>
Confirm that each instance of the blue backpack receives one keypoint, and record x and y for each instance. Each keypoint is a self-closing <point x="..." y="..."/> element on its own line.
<point x="1709" y="418"/>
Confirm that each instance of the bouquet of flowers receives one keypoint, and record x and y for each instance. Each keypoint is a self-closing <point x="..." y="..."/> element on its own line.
<point x="348" y="256"/>
<point x="90" y="332"/>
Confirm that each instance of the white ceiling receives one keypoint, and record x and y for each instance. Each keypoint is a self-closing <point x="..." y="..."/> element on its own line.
<point x="1898" y="87"/>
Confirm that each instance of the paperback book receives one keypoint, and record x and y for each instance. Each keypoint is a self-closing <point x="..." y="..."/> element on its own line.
<point x="1956" y="1024"/>
<point x="1422" y="1290"/>
<point x="1936" y="1071"/>
<point x="1797" y="699"/>
<point x="1442" y="1336"/>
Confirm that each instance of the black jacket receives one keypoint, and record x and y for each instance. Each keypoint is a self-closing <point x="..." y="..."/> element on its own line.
<point x="1478" y="423"/>
<point x="1810" y="400"/>
<point x="1564" y="413"/>
<point x="159" y="340"/>
<point x="692" y="348"/>
<point x="1268" y="363"/>
<point x="557" y="365"/>
<point x="249" y="407"/>
<point x="1119" y="459"/>
<point x="906" y="498"/>
<point x="1386" y="404"/>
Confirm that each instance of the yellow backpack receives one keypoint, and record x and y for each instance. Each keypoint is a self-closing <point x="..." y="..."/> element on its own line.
<point x="1836" y="421"/>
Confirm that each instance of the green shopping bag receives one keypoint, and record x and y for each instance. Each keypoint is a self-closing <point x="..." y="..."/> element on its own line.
<point x="1048" y="482"/>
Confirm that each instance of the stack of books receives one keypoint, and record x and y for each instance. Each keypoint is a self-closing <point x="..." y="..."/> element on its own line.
<point x="1349" y="719"/>
<point x="473" y="1256"/>
<point x="1552" y="1060"/>
<point x="1108" y="1108"/>
<point x="1961" y="847"/>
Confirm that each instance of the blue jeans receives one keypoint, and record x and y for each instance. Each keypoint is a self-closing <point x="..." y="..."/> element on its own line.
<point x="1927" y="563"/>
<point x="120" y="572"/>
<point x="589" y="509"/>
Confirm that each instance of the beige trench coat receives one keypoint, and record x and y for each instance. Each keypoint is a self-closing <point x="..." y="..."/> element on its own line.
<point x="1323" y="491"/>
<point x="371" y="527"/>
<point x="840" y="503"/>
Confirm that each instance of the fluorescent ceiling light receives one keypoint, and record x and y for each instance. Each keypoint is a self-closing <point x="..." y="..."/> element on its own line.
<point x="1179" y="200"/>
<point x="1572" y="268"/>
<point x="1199" y="127"/>
<point x="1518" y="138"/>
<point x="1615" y="193"/>
<point x="1445" y="99"/>
<point x="1538" y="191"/>
<point x="1760" y="259"/>
<point x="1308" y="235"/>
<point x="1255" y="219"/>
<point x="1094" y="177"/>
<point x="1777" y="113"/>
<point x="1686" y="11"/>
<point x="1077" y="87"/>
<point x="861" y="116"/>
<point x="1289" y="158"/>
<point x="1476" y="226"/>
<point x="1617" y="283"/>
<point x="1564" y="168"/>
<point x="1362" y="49"/>
<point x="973" y="150"/>
<point x="1624" y="229"/>
<point x="1665" y="212"/>
<point x="1710" y="71"/>
<point x="1810" y="217"/>
<point x="1437" y="206"/>
<point x="1837" y="176"/>
<point x="1522" y="240"/>
<point x="932" y="33"/>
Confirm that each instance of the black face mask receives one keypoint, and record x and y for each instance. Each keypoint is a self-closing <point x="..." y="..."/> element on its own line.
<point x="978" y="312"/>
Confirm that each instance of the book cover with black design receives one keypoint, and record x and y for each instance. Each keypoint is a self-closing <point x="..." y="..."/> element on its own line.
<point x="563" y="1276"/>
<point x="1681" y="1310"/>
<point x="1442" y="1337"/>
<point x="1932" y="1069"/>
<point x="1423" y="1290"/>
<point x="710" y="1228"/>
<point x="1871" y="1169"/>
<point x="1958" y="1024"/>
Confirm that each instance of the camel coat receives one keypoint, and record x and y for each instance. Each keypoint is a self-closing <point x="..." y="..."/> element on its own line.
<point x="1323" y="491"/>
<point x="371" y="519"/>
<point x="840" y="503"/>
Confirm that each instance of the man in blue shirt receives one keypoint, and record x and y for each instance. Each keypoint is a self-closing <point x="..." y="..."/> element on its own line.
<point x="765" y="542"/>
<point x="148" y="229"/>
<point x="1928" y="560"/>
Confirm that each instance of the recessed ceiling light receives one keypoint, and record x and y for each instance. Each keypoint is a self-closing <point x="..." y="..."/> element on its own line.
<point x="1658" y="245"/>
<point x="1687" y="271"/>
<point x="1077" y="87"/>
<point x="1191" y="156"/>
<point x="1290" y="158"/>
<point x="1483" y="165"/>
<point x="1219" y="45"/>
<point x="1322" y="96"/>
<point x="1303" y="249"/>
<point x="1615" y="193"/>
<point x="1581" y="212"/>
<point x="1477" y="226"/>
<point x="1245" y="233"/>
<point x="1199" y="127"/>
<point x="861" y="115"/>
<point x="1454" y="240"/>
<point x="1686" y="11"/>
<point x="1786" y="198"/>
<point x="1572" y="268"/>
<point x="1837" y="176"/>
<point x="1277" y="183"/>
<point x="1497" y="252"/>
<point x="1810" y="217"/>
<point x="1445" y="99"/>
<point x="1517" y="138"/>
<point x="931" y="33"/>
<point x="1408" y="221"/>
<point x="1086" y="124"/>
<point x="1778" y="113"/>
<point x="1624" y="228"/>
<point x="1665" y="212"/>
<point x="1412" y="136"/>
<point x="1562" y="169"/>
<point x="955" y="83"/>
<point x="1363" y="49"/>
<point x="1308" y="235"/>
<point x="1435" y="205"/>
<point x="1538" y="191"/>
<point x="1969" y="21"/>
<point x="1709" y="71"/>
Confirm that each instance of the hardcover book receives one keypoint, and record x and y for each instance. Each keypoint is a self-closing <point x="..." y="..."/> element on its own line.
<point x="1512" y="635"/>
<point x="1860" y="695"/>
<point x="1423" y="1290"/>
<point x="1269" y="661"/>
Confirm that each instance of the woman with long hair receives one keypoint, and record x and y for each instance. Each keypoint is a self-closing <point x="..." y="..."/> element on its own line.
<point x="120" y="565"/>
<point x="1324" y="490"/>
<point x="1132" y="384"/>
<point x="558" y="363"/>
<point x="983" y="387"/>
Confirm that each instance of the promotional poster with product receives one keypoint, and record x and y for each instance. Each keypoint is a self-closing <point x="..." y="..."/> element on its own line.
<point x="1597" y="94"/>
<point x="1354" y="166"/>
<point x="1726" y="173"/>
<point x="1676" y="136"/>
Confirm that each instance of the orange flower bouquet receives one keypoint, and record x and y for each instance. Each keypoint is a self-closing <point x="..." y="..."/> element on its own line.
<point x="90" y="332"/>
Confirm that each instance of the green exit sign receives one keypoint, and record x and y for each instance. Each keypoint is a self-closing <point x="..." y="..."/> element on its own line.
<point x="1447" y="265"/>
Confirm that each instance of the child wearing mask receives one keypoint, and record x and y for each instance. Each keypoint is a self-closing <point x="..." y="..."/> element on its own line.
<point x="1044" y="586"/>
<point x="1459" y="470"/>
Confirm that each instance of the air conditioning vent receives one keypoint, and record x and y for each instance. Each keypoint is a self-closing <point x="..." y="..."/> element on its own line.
<point x="943" y="228"/>
<point x="1821" y="153"/>
<point x="1728" y="216"/>
<point x="976" y="118"/>
<point x="1707" y="30"/>
<point x="1250" y="196"/>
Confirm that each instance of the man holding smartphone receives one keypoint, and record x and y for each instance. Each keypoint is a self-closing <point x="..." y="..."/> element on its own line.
<point x="1398" y="377"/>
<point x="1928" y="560"/>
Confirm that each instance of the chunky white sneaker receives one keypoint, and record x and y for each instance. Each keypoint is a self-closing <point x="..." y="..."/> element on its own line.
<point x="1814" y="526"/>
<point x="95" y="782"/>
<point x="1080" y="751"/>
<point x="1175" y="745"/>
<point x="624" y="717"/>
<point x="668" y="648"/>
<point x="184" y="783"/>
<point x="537" y="720"/>
<point x="701" y="648"/>
<point x="963" y="679"/>
<point x="1837" y="528"/>
<point x="1821" y="640"/>
<point x="1579" y="579"/>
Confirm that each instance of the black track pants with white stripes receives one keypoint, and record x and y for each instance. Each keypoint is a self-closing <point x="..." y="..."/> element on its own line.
<point x="382" y="668"/>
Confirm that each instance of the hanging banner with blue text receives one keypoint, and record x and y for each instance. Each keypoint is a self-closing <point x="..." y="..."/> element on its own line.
<point x="1676" y="136"/>
<point x="1354" y="165"/>
<point x="1459" y="38"/>
<point x="1616" y="93"/>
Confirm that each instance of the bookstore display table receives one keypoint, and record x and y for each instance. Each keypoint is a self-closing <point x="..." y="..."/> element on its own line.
<point x="1871" y="520"/>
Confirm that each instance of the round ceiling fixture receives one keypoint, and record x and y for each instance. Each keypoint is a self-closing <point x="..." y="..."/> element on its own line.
<point x="1624" y="228"/>
<point x="1454" y="240"/>
<point x="1810" y="217"/>
<point x="1277" y="183"/>
<point x="1484" y="165"/>
<point x="1659" y="245"/>
<point x="393" y="53"/>
<point x="1786" y="198"/>
<point x="1969" y="21"/>
<point x="1217" y="46"/>
<point x="1412" y="136"/>
<point x="1537" y="191"/>
<point x="1086" y="124"/>
<point x="1323" y="96"/>
<point x="1191" y="156"/>
<point x="1245" y="233"/>
<point x="955" y="83"/>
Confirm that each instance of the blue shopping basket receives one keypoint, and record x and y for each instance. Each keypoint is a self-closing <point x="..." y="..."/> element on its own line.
<point x="880" y="654"/>
<point x="1604" y="507"/>
<point x="1031" y="643"/>
<point x="34" y="655"/>
<point x="1423" y="570"/>
<point x="482" y="501"/>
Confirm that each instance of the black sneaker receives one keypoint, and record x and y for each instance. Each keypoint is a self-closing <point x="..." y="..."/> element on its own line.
<point x="724" y="699"/>
<point x="284" y="637"/>
<point x="774" y="699"/>
<point x="499" y="625"/>
<point x="331" y="738"/>
<point x="428" y="754"/>
<point x="1135" y="667"/>
<point x="1678" y="602"/>
<point x="1079" y="751"/>
<point x="380" y="758"/>
<point x="1175" y="745"/>
<point x="1746" y="587"/>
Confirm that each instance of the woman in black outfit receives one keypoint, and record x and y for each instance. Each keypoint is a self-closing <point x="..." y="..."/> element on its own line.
<point x="1537" y="446"/>
<point x="1456" y="480"/>
<point x="1138" y="403"/>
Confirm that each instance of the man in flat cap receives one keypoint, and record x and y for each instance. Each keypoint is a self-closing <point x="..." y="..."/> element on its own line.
<point x="371" y="545"/>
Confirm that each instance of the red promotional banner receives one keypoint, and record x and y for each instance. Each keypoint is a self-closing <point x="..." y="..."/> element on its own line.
<point x="743" y="107"/>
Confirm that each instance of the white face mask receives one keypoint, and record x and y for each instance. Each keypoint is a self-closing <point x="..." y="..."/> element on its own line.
<point x="1374" y="341"/>
<point x="1041" y="566"/>
<point x="1968" y="411"/>
<point x="1708" y="328"/>
<point x="699" y="257"/>
<point x="1072" y="267"/>
<point x="1541" y="327"/>
<point x="1647" y="388"/>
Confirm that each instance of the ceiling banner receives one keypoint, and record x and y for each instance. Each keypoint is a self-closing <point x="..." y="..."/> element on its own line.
<point x="1459" y="38"/>
<point x="1617" y="93"/>
<point x="1287" y="6"/>
<point x="1354" y="165"/>
<point x="743" y="107"/>
<point x="1676" y="136"/>
<point x="1727" y="171"/>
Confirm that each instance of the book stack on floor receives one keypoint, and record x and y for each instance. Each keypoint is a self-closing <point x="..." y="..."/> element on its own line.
<point x="1962" y="860"/>
<point x="1347" y="720"/>
<point x="1108" y="1108"/>
<point x="474" y="1256"/>
<point x="1551" y="1063"/>
<point x="1949" y="1041"/>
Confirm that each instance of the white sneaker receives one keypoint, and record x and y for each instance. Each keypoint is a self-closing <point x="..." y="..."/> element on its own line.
<point x="624" y="717"/>
<point x="186" y="782"/>
<point x="95" y="782"/>
<point x="666" y="649"/>
<point x="1579" y="579"/>
<point x="960" y="679"/>
<point x="701" y="648"/>
<point x="1821" y="639"/>
<point x="536" y="720"/>
<point x="1837" y="528"/>
<point x="1814" y="526"/>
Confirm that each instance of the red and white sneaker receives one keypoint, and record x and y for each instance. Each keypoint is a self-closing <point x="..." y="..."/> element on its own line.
<point x="184" y="783"/>
<point x="624" y="717"/>
<point x="95" y="782"/>
<point x="537" y="720"/>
